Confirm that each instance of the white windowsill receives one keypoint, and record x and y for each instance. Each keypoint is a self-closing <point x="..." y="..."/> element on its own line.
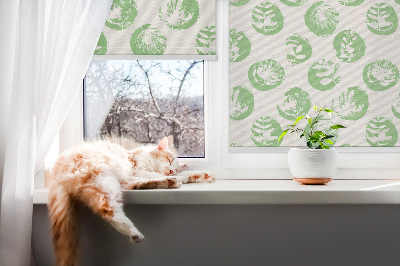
<point x="264" y="192"/>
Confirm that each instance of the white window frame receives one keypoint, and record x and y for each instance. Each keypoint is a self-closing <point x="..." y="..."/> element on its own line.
<point x="242" y="163"/>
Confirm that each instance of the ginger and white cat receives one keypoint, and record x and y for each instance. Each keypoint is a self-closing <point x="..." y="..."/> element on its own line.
<point x="95" y="173"/>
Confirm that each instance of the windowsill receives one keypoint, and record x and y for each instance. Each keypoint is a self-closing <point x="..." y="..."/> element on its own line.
<point x="264" y="192"/>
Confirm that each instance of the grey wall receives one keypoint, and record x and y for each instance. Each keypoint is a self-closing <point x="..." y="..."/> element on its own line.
<point x="237" y="235"/>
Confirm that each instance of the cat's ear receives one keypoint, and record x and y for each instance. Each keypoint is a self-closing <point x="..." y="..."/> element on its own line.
<point x="163" y="145"/>
<point x="171" y="146"/>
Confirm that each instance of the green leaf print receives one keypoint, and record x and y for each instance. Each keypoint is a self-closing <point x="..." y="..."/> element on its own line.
<point x="239" y="46"/>
<point x="267" y="19"/>
<point x="351" y="2"/>
<point x="323" y="75"/>
<point x="301" y="49"/>
<point x="266" y="74"/>
<point x="179" y="14"/>
<point x="238" y="2"/>
<point x="349" y="46"/>
<point x="397" y="1"/>
<point x="396" y="108"/>
<point x="234" y="144"/>
<point x="265" y="132"/>
<point x="351" y="104"/>
<point x="242" y="103"/>
<point x="293" y="2"/>
<point x="382" y="19"/>
<point x="347" y="145"/>
<point x="205" y="41"/>
<point x="297" y="103"/>
<point x="101" y="47"/>
<point x="148" y="40"/>
<point x="381" y="132"/>
<point x="322" y="19"/>
<point x="381" y="75"/>
<point x="122" y="14"/>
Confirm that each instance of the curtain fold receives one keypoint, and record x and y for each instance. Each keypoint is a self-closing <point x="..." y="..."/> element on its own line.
<point x="55" y="43"/>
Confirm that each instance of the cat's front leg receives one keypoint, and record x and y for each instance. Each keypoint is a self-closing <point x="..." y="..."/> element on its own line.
<point x="197" y="177"/>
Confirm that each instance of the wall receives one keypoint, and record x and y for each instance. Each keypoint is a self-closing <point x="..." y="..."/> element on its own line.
<point x="327" y="235"/>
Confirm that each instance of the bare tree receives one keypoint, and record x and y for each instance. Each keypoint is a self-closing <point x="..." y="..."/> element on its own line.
<point x="144" y="110"/>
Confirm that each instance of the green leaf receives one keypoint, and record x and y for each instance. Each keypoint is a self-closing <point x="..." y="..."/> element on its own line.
<point x="310" y="121"/>
<point x="337" y="126"/>
<point x="283" y="134"/>
<point x="309" y="144"/>
<point x="329" y="141"/>
<point x="328" y="110"/>
<point x="298" y="119"/>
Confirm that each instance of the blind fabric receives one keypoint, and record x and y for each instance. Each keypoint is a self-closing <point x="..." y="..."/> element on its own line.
<point x="287" y="55"/>
<point x="160" y="27"/>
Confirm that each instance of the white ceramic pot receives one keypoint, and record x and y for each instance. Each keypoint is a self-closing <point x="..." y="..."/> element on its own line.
<point x="312" y="166"/>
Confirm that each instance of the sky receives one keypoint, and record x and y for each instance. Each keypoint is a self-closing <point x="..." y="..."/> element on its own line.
<point x="196" y="88"/>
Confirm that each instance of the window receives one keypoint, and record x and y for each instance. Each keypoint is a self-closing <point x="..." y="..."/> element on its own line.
<point x="213" y="150"/>
<point x="142" y="101"/>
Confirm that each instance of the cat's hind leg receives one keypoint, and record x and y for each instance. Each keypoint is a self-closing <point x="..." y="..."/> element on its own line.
<point x="103" y="195"/>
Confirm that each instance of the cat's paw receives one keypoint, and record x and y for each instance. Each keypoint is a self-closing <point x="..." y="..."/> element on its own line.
<point x="137" y="237"/>
<point x="182" y="167"/>
<point x="210" y="177"/>
<point x="201" y="177"/>
<point x="174" y="182"/>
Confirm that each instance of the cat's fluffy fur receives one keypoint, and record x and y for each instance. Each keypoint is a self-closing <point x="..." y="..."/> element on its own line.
<point x="94" y="174"/>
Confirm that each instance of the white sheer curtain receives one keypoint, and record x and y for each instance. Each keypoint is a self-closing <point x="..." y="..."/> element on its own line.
<point x="55" y="43"/>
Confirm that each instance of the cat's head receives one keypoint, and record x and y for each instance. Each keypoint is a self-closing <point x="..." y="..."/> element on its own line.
<point x="164" y="160"/>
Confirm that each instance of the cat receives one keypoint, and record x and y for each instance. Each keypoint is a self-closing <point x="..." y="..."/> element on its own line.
<point x="94" y="174"/>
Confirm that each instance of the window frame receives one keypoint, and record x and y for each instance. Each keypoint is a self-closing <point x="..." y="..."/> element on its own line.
<point x="245" y="163"/>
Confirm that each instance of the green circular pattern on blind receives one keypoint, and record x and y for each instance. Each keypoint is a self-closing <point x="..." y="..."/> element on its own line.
<point x="381" y="132"/>
<point x="266" y="75"/>
<point x="351" y="104"/>
<point x="382" y="19"/>
<point x="349" y="46"/>
<point x="238" y="2"/>
<point x="301" y="49"/>
<point x="381" y="75"/>
<point x="101" y="47"/>
<point x="396" y="108"/>
<point x="234" y="144"/>
<point x="297" y="103"/>
<point x="122" y="14"/>
<point x="179" y="14"/>
<point x="322" y="19"/>
<point x="293" y="2"/>
<point x="267" y="19"/>
<point x="242" y="103"/>
<point x="323" y="75"/>
<point x="347" y="145"/>
<point x="148" y="40"/>
<point x="205" y="41"/>
<point x="351" y="2"/>
<point x="265" y="132"/>
<point x="239" y="46"/>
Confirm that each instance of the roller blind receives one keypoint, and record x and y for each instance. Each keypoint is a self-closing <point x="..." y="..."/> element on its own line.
<point x="287" y="55"/>
<point x="160" y="27"/>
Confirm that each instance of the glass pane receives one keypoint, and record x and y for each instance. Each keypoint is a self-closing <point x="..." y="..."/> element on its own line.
<point x="140" y="102"/>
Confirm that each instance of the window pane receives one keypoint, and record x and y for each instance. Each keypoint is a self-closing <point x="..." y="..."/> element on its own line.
<point x="140" y="102"/>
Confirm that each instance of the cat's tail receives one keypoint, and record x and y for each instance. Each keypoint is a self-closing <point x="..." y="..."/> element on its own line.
<point x="62" y="212"/>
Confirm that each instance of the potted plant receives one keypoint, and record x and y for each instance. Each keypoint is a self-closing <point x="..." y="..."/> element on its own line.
<point x="317" y="163"/>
